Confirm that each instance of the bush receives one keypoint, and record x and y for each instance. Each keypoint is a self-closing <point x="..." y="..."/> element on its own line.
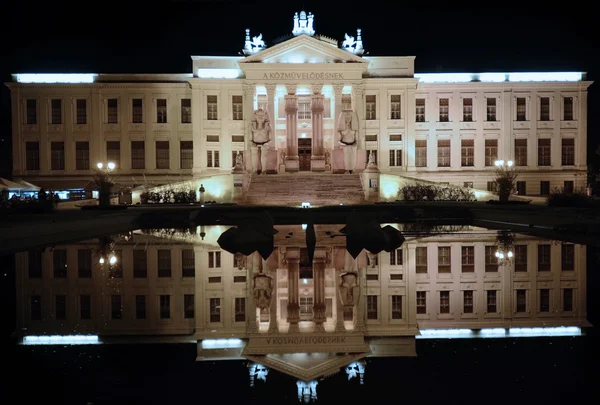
<point x="558" y="198"/>
<point x="426" y="192"/>
<point x="178" y="196"/>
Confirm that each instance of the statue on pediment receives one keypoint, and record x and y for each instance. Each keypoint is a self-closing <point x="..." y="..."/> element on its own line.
<point x="303" y="23"/>
<point x="348" y="43"/>
<point x="353" y="46"/>
<point x="255" y="45"/>
<point x="348" y="130"/>
<point x="261" y="136"/>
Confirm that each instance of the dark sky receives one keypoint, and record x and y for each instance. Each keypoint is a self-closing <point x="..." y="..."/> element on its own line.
<point x="159" y="36"/>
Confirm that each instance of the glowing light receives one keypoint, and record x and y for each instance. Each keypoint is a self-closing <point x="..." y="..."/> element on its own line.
<point x="56" y="77"/>
<point x="111" y="166"/>
<point x="499" y="77"/>
<point x="445" y="333"/>
<point x="112" y="260"/>
<point x="221" y="343"/>
<point x="545" y="331"/>
<point x="100" y="165"/>
<point x="305" y="204"/>
<point x="101" y="261"/>
<point x="304" y="281"/>
<point x="304" y="226"/>
<point x="545" y="77"/>
<point x="500" y="332"/>
<point x="499" y="163"/>
<point x="509" y="163"/>
<point x="61" y="340"/>
<point x="218" y="73"/>
<point x="510" y="254"/>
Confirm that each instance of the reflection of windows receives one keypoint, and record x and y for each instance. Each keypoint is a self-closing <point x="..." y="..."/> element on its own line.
<point x="520" y="257"/>
<point x="240" y="309"/>
<point x="420" y="110"/>
<point x="84" y="263"/>
<point x="237" y="107"/>
<point x="468" y="259"/>
<point x="396" y="257"/>
<point x="372" y="307"/>
<point x="36" y="308"/>
<point x="85" y="307"/>
<point x="165" y="306"/>
<point x="188" y="263"/>
<point x="164" y="262"/>
<point x="444" y="259"/>
<point x="61" y="307"/>
<point x="215" y="310"/>
<point x="491" y="261"/>
<point x="396" y="307"/>
<point x="306" y="308"/>
<point x="545" y="300"/>
<point x="567" y="257"/>
<point x="59" y="261"/>
<point x="35" y="264"/>
<point x="214" y="260"/>
<point x="140" y="263"/>
<point x="188" y="306"/>
<point x="543" y="257"/>
<point x="521" y="300"/>
<point x="140" y="306"/>
<point x="116" y="309"/>
<point x="468" y="302"/>
<point x="444" y="302"/>
<point x="568" y="299"/>
<point x="491" y="301"/>
<point x="421" y="302"/>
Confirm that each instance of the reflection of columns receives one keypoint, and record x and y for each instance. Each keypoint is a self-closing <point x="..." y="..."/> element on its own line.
<point x="359" y="107"/>
<point x="362" y="301"/>
<point x="291" y="126"/>
<point x="319" y="307"/>
<point x="318" y="154"/>
<point x="293" y="306"/>
<point x="339" y="313"/>
<point x="252" y="326"/>
<point x="273" y="328"/>
<point x="249" y="92"/>
<point x="337" y="91"/>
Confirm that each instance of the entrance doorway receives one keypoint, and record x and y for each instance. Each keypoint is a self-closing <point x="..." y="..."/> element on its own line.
<point x="304" y="154"/>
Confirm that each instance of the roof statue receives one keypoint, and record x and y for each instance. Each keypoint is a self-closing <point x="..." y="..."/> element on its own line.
<point x="353" y="46"/>
<point x="255" y="45"/>
<point x="303" y="24"/>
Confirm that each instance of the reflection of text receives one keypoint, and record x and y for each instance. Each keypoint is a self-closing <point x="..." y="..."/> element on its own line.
<point x="306" y="340"/>
<point x="303" y="76"/>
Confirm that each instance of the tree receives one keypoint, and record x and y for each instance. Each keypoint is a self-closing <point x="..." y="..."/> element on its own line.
<point x="506" y="179"/>
<point x="104" y="182"/>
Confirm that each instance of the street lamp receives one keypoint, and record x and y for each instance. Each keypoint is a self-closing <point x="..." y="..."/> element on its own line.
<point x="104" y="182"/>
<point x="506" y="176"/>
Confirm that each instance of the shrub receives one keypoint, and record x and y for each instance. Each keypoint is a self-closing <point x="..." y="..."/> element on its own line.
<point x="427" y="192"/>
<point x="558" y="198"/>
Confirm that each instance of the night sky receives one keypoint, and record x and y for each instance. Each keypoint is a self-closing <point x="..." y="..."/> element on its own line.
<point x="159" y="36"/>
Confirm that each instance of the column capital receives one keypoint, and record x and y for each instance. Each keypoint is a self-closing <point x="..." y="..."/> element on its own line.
<point x="270" y="87"/>
<point x="317" y="104"/>
<point x="249" y="89"/>
<point x="337" y="89"/>
<point x="291" y="88"/>
<point x="358" y="89"/>
<point x="316" y="88"/>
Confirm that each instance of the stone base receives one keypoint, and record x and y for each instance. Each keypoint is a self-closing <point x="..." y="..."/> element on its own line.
<point x="317" y="163"/>
<point x="292" y="164"/>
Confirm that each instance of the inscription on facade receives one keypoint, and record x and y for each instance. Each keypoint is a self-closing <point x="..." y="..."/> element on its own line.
<point x="316" y="340"/>
<point x="303" y="76"/>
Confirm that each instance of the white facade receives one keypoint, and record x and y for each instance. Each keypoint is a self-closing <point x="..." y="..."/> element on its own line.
<point x="167" y="128"/>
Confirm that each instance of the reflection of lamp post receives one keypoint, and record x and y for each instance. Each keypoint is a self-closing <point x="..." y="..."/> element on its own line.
<point x="201" y="191"/>
<point x="104" y="183"/>
<point x="506" y="176"/>
<point x="106" y="251"/>
<point x="505" y="248"/>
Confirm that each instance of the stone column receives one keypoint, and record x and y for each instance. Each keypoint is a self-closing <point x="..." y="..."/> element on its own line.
<point x="293" y="307"/>
<point x="359" y="107"/>
<point x="339" y="322"/>
<point x="319" y="307"/>
<point x="291" y="127"/>
<point x="270" y="147"/>
<point x="318" y="153"/>
<point x="249" y="93"/>
<point x="252" y="325"/>
<point x="273" y="327"/>
<point x="362" y="300"/>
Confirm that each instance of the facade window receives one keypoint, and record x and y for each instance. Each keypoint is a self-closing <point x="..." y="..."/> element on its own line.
<point x="520" y="152"/>
<point x="544" y="188"/>
<point x="112" y="105"/>
<point x="116" y="270"/>
<point x="82" y="156"/>
<point x="32" y="155"/>
<point x="467" y="152"/>
<point x="164" y="262"/>
<point x="212" y="158"/>
<point x="567" y="259"/>
<point x="237" y="108"/>
<point x="85" y="307"/>
<point x="443" y="152"/>
<point x="304" y="108"/>
<point x="444" y="259"/>
<point x="568" y="152"/>
<point x="35" y="264"/>
<point x="188" y="263"/>
<point x="421" y="153"/>
<point x="306" y="308"/>
<point x="215" y="310"/>
<point x="240" y="309"/>
<point x="421" y="302"/>
<point x="491" y="261"/>
<point x="395" y="106"/>
<point x="467" y="109"/>
<point x="521" y="188"/>
<point x="468" y="184"/>
<point x="521" y="300"/>
<point x="113" y="152"/>
<point x="165" y="306"/>
<point x="161" y="111"/>
<point x="396" y="257"/>
<point x="520" y="258"/>
<point x="545" y="109"/>
<point x="162" y="155"/>
<point x="468" y="301"/>
<point x="568" y="187"/>
<point x="543" y="257"/>
<point x="84" y="263"/>
<point x="140" y="263"/>
<point x="468" y="259"/>
<point x="568" y="108"/>
<point x="138" y="155"/>
<point x="61" y="307"/>
<point x="186" y="111"/>
<point x="56" y="111"/>
<point x="57" y="156"/>
<point x="31" y="111"/>
<point x="140" y="307"/>
<point x="491" y="151"/>
<point x="421" y="260"/>
<point x="214" y="260"/>
<point x="186" y="154"/>
<point x="491" y="301"/>
<point x="212" y="107"/>
<point x="116" y="307"/>
<point x="396" y="307"/>
<point x="521" y="109"/>
<point x="371" y="104"/>
<point x="491" y="109"/>
<point x="492" y="186"/>
<point x="188" y="306"/>
<point x="568" y="299"/>
<point x="544" y="300"/>
<point x="395" y="157"/>
<point x="137" y="110"/>
<point x="420" y="110"/>
<point x="36" y="308"/>
<point x="444" y="109"/>
<point x="544" y="152"/>
<point x="372" y="307"/>
<point x="444" y="302"/>
<point x="81" y="111"/>
<point x="234" y="156"/>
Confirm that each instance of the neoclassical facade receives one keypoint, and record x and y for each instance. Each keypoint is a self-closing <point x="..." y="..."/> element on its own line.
<point x="302" y="104"/>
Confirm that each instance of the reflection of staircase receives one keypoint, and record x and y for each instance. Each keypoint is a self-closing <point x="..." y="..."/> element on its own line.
<point x="294" y="188"/>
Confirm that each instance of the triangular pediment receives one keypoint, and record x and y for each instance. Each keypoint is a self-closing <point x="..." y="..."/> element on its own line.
<point x="303" y="49"/>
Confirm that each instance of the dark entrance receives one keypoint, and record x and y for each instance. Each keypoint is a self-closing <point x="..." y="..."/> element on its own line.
<point x="304" y="154"/>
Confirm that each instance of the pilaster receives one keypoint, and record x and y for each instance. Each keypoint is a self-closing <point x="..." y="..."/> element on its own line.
<point x="359" y="107"/>
<point x="291" y="126"/>
<point x="318" y="153"/>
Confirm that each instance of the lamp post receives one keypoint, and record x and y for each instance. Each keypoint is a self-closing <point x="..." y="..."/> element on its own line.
<point x="505" y="247"/>
<point x="104" y="182"/>
<point x="506" y="176"/>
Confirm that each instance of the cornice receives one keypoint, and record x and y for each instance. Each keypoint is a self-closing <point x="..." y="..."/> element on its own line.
<point x="504" y="86"/>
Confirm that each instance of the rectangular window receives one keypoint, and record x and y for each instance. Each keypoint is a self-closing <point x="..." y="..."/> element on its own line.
<point x="237" y="108"/>
<point x="444" y="259"/>
<point x="112" y="110"/>
<point x="521" y="188"/>
<point x="395" y="157"/>
<point x="444" y="109"/>
<point x="491" y="261"/>
<point x="545" y="300"/>
<point x="468" y="259"/>
<point x="444" y="302"/>
<point x="188" y="306"/>
<point x="162" y="155"/>
<point x="240" y="309"/>
<point x="85" y="307"/>
<point x="568" y="187"/>
<point x="31" y="105"/>
<point x="140" y="307"/>
<point x="82" y="155"/>
<point x="36" y="308"/>
<point x="443" y="152"/>
<point x="61" y="307"/>
<point x="116" y="307"/>
<point x="491" y="151"/>
<point x="81" y="111"/>
<point x="521" y="109"/>
<point x="567" y="253"/>
<point x="59" y="261"/>
<point x="138" y="155"/>
<point x="421" y="153"/>
<point x="304" y="108"/>
<point x="568" y="299"/>
<point x="421" y="302"/>
<point x="35" y="264"/>
<point x="212" y="108"/>
<point x="212" y="158"/>
<point x="186" y="153"/>
<point x="521" y="301"/>
<point x="161" y="110"/>
<point x="544" y="257"/>
<point x="468" y="302"/>
<point x="137" y="111"/>
<point x="164" y="262"/>
<point x="56" y="111"/>
<point x="165" y="306"/>
<point x="57" y="156"/>
<point x="214" y="260"/>
<point x="371" y="104"/>
<point x="32" y="155"/>
<point x="84" y="263"/>
<point x="467" y="109"/>
<point x="421" y="259"/>
<point x="492" y="186"/>
<point x="568" y="152"/>
<point x="140" y="263"/>
<point x="545" y="109"/>
<point x="467" y="152"/>
<point x="520" y="152"/>
<point x="491" y="109"/>
<point x="188" y="263"/>
<point x="491" y="301"/>
<point x="544" y="152"/>
<point x="215" y="310"/>
<point x="468" y="184"/>
<point x="395" y="106"/>
<point x="113" y="152"/>
<point x="520" y="258"/>
<point x="420" y="110"/>
<point x="396" y="257"/>
<point x="396" y="307"/>
<point x="544" y="188"/>
<point x="372" y="307"/>
<point x="186" y="111"/>
<point x="568" y="108"/>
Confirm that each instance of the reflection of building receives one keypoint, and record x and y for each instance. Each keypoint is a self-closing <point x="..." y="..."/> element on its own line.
<point x="161" y="128"/>
<point x="180" y="286"/>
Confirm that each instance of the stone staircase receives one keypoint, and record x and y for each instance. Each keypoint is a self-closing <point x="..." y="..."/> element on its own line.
<point x="291" y="189"/>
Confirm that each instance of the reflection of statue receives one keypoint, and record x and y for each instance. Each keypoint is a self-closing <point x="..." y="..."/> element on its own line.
<point x="263" y="290"/>
<point x="261" y="136"/>
<point x="240" y="261"/>
<point x="356" y="369"/>
<point x="258" y="371"/>
<point x="349" y="289"/>
<point x="239" y="161"/>
<point x="372" y="259"/>
<point x="307" y="391"/>
<point x="348" y="130"/>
